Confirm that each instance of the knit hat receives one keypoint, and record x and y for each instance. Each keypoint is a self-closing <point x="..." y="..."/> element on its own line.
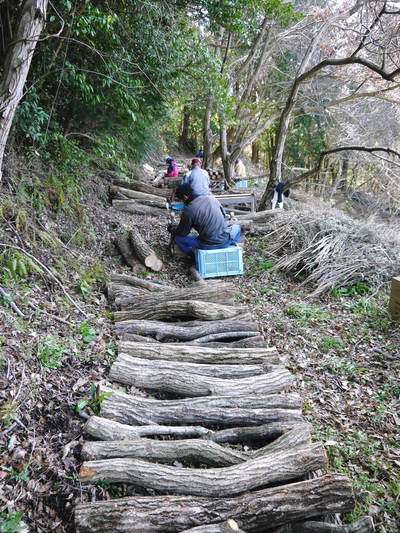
<point x="196" y="161"/>
<point x="184" y="189"/>
<point x="168" y="159"/>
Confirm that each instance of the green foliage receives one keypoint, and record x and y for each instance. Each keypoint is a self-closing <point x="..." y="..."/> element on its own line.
<point x="88" y="333"/>
<point x="93" y="401"/>
<point x="9" y="522"/>
<point x="50" y="352"/>
<point x="306" y="313"/>
<point x="8" y="412"/>
<point x="358" y="288"/>
<point x="17" y="264"/>
<point x="330" y="343"/>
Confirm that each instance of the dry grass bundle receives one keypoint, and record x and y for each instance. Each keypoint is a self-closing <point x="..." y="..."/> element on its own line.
<point x="333" y="249"/>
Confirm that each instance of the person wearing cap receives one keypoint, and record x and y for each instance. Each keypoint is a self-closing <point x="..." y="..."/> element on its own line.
<point x="206" y="215"/>
<point x="197" y="178"/>
<point x="172" y="170"/>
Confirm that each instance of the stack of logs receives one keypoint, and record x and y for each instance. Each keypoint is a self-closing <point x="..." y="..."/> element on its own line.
<point x="224" y="446"/>
<point x="139" y="198"/>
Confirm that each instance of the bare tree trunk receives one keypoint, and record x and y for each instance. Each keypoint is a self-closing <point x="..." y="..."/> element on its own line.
<point x="226" y="161"/>
<point x="184" y="139"/>
<point x="17" y="63"/>
<point x="207" y="135"/>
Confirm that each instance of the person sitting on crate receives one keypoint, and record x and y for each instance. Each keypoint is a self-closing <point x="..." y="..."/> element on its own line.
<point x="206" y="215"/>
<point x="172" y="170"/>
<point x="197" y="178"/>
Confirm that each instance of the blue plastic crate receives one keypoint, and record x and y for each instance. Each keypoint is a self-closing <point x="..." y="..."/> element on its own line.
<point x="242" y="184"/>
<point x="221" y="262"/>
<point x="176" y="206"/>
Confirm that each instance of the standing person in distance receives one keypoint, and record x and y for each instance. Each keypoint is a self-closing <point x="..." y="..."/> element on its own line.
<point x="197" y="178"/>
<point x="278" y="196"/>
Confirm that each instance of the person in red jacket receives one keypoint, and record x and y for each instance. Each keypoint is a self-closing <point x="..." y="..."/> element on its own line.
<point x="172" y="170"/>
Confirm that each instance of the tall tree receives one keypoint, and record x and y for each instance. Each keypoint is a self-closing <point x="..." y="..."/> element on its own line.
<point x="20" y="48"/>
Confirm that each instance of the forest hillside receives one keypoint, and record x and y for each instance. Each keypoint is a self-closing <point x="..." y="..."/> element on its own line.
<point x="94" y="96"/>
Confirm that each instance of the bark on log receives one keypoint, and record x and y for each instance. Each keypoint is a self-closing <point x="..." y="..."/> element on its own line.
<point x="299" y="436"/>
<point x="197" y="451"/>
<point x="165" y="332"/>
<point x="211" y="411"/>
<point x="116" y="290"/>
<point x="143" y="251"/>
<point x="136" y="208"/>
<point x="126" y="251"/>
<point x="277" y="467"/>
<point x="256" y="511"/>
<point x="260" y="216"/>
<point x="215" y="337"/>
<point x="261" y="433"/>
<point x="203" y="355"/>
<point x="131" y="337"/>
<point x="227" y="527"/>
<point x="142" y="197"/>
<point x="222" y="293"/>
<point x="252" y="342"/>
<point x="155" y="377"/>
<point x="143" y="187"/>
<point x="177" y="309"/>
<point x="125" y="363"/>
<point x="140" y="283"/>
<point x="105" y="429"/>
<point x="364" y="525"/>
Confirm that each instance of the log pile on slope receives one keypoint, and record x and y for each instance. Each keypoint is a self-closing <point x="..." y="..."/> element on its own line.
<point x="226" y="444"/>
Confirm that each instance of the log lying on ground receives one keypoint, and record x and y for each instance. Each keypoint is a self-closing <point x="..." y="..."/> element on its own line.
<point x="255" y="511"/>
<point x="226" y="527"/>
<point x="129" y="257"/>
<point x="143" y="187"/>
<point x="116" y="290"/>
<point x="197" y="451"/>
<point x="125" y="363"/>
<point x="276" y="467"/>
<point x="105" y="429"/>
<point x="215" y="337"/>
<point x="167" y="332"/>
<point x="142" y="197"/>
<point x="216" y="292"/>
<point x="252" y="342"/>
<point x="131" y="337"/>
<point x="209" y="411"/>
<point x="140" y="283"/>
<point x="143" y="251"/>
<point x="136" y="208"/>
<point x="247" y="225"/>
<point x="253" y="434"/>
<point x="178" y="309"/>
<point x="150" y="376"/>
<point x="364" y="525"/>
<point x="257" y="217"/>
<point x="203" y="355"/>
<point x="298" y="436"/>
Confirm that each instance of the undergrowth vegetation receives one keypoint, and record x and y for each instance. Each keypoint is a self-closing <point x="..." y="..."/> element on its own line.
<point x="345" y="352"/>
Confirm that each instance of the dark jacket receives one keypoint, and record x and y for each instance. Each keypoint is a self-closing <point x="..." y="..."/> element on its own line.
<point x="279" y="190"/>
<point x="206" y="215"/>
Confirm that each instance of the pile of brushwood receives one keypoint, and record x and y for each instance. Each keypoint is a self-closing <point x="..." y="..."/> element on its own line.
<point x="329" y="249"/>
